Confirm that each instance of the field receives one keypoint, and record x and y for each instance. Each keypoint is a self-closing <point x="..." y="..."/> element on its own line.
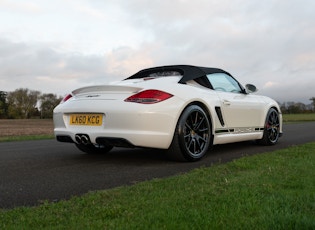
<point x="17" y="127"/>
<point x="24" y="129"/>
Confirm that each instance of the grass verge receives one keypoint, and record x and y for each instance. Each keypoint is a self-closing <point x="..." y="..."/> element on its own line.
<point x="267" y="191"/>
<point x="295" y="118"/>
<point x="26" y="137"/>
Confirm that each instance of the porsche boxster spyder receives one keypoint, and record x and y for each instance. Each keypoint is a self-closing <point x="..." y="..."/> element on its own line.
<point x="180" y="108"/>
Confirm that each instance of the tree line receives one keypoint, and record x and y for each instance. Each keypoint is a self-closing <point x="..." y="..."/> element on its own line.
<point x="297" y="107"/>
<point x="24" y="103"/>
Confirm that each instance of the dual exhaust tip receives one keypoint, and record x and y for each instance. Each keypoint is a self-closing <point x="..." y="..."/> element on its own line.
<point x="82" y="139"/>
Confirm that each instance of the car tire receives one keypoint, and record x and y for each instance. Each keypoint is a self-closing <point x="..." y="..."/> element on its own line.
<point x="192" y="135"/>
<point x="271" y="128"/>
<point x="92" y="149"/>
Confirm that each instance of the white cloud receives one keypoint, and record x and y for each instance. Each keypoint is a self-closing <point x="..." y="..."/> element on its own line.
<point x="270" y="84"/>
<point x="24" y="7"/>
<point x="125" y="61"/>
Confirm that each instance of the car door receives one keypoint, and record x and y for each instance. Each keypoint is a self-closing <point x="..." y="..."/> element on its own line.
<point x="240" y="111"/>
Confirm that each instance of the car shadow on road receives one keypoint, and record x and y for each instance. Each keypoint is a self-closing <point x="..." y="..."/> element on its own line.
<point x="141" y="156"/>
<point x="126" y="156"/>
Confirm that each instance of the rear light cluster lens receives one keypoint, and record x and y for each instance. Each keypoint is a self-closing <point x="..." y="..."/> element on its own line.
<point x="149" y="97"/>
<point x="66" y="98"/>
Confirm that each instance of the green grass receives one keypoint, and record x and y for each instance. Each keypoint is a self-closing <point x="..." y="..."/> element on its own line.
<point x="294" y="118"/>
<point x="266" y="191"/>
<point x="26" y="138"/>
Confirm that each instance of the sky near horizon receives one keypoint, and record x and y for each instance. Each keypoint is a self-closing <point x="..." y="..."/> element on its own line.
<point x="58" y="46"/>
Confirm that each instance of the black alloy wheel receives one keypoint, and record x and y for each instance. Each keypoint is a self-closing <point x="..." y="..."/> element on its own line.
<point x="192" y="135"/>
<point x="272" y="128"/>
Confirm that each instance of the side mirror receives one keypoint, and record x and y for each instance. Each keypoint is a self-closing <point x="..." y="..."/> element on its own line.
<point x="251" y="88"/>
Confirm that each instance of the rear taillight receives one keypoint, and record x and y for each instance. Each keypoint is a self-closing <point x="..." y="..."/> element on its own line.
<point x="150" y="96"/>
<point x="66" y="98"/>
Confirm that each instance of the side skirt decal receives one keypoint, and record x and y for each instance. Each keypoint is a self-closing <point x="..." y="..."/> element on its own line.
<point x="239" y="130"/>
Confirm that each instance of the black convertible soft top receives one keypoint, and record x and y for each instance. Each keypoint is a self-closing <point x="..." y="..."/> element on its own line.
<point x="189" y="72"/>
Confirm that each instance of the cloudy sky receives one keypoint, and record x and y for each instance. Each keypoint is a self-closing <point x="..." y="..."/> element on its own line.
<point x="57" y="46"/>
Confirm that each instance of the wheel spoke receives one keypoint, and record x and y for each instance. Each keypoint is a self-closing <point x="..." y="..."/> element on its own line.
<point x="190" y="142"/>
<point x="201" y="138"/>
<point x="203" y="130"/>
<point x="196" y="120"/>
<point x="195" y="148"/>
<point x="197" y="125"/>
<point x="191" y="121"/>
<point x="188" y="126"/>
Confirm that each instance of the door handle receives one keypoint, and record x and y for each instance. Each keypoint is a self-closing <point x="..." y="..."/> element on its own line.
<point x="226" y="102"/>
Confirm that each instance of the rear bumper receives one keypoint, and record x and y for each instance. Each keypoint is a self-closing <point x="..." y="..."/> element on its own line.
<point x="128" y="125"/>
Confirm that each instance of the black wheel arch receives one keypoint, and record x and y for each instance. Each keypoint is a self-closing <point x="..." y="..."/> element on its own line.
<point x="274" y="107"/>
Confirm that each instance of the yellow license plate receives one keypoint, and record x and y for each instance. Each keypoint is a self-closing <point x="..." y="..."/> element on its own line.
<point x="86" y="119"/>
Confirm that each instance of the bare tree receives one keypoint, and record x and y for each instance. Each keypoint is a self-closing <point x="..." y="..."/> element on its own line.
<point x="22" y="103"/>
<point x="48" y="103"/>
<point x="3" y="105"/>
<point x="313" y="102"/>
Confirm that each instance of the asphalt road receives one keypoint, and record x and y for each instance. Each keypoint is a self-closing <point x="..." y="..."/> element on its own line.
<point x="34" y="171"/>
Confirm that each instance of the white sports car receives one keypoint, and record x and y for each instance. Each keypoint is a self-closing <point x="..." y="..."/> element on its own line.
<point x="182" y="109"/>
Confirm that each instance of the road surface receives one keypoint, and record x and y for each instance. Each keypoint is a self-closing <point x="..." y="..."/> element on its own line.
<point x="34" y="171"/>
